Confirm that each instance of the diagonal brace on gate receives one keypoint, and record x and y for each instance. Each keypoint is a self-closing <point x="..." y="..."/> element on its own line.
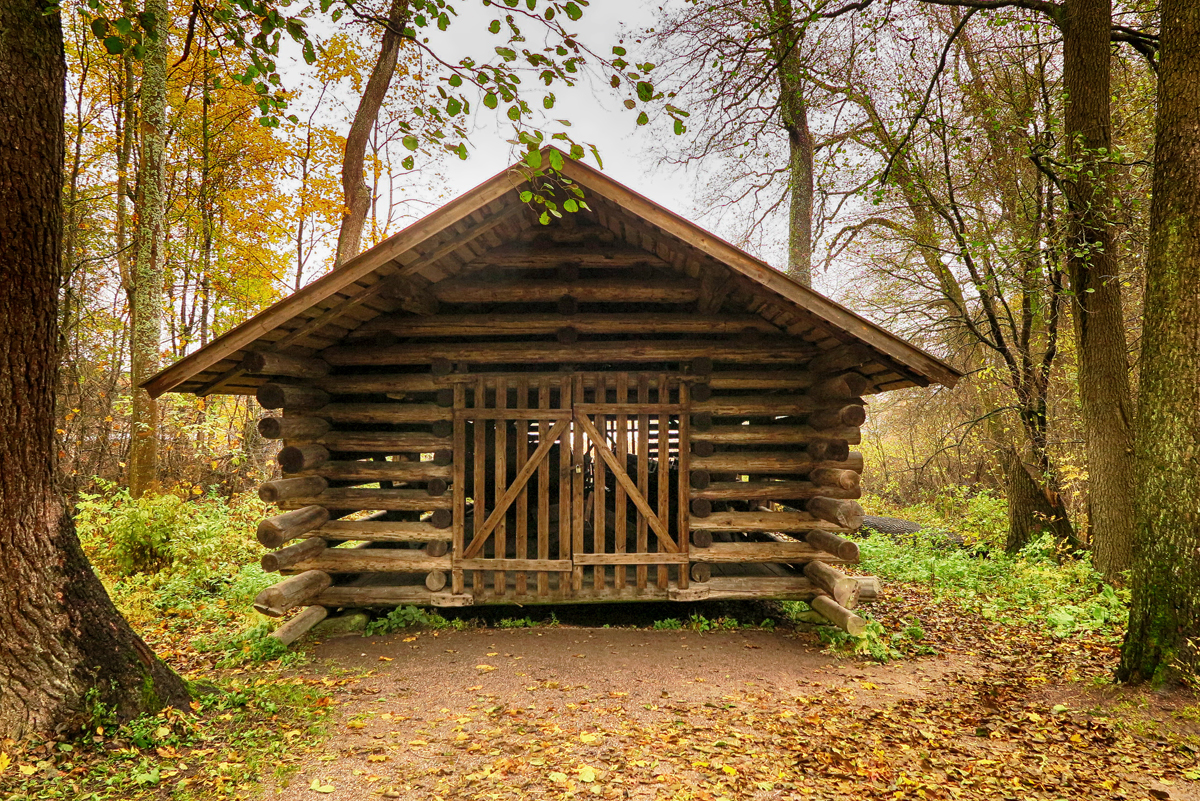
<point x="631" y="489"/>
<point x="510" y="495"/>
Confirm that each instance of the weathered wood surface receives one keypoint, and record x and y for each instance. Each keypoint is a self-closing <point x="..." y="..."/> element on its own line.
<point x="767" y="552"/>
<point x="839" y="615"/>
<point x="292" y="397"/>
<point x="384" y="442"/>
<point x="786" y="522"/>
<point x="579" y="352"/>
<point x="354" y="498"/>
<point x="456" y="325"/>
<point x="345" y="596"/>
<point x="304" y="549"/>
<point x="844" y="549"/>
<point x="770" y="490"/>
<point x="299" y="625"/>
<point x="383" y="471"/>
<point x="295" y="458"/>
<point x="280" y="364"/>
<point x="549" y="290"/>
<point x="285" y="488"/>
<point x="386" y="413"/>
<point x="830" y="477"/>
<point x="843" y="513"/>
<point x="297" y="428"/>
<point x="742" y="462"/>
<point x="295" y="591"/>
<point x="275" y="531"/>
<point x="847" y="416"/>
<point x="840" y="587"/>
<point x="372" y="560"/>
<point x="774" y="434"/>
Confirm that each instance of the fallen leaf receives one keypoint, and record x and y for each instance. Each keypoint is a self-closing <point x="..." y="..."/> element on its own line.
<point x="317" y="787"/>
<point x="587" y="774"/>
<point x="485" y="668"/>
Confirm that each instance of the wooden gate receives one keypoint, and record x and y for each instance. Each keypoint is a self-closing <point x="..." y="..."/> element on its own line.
<point x="561" y="478"/>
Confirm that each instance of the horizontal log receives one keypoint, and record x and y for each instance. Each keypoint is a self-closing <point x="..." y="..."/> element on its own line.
<point x="523" y="258"/>
<point x="384" y="531"/>
<point x="257" y="363"/>
<point x="295" y="591"/>
<point x="840" y="587"/>
<point x="363" y="384"/>
<point x="869" y="588"/>
<point x="827" y="541"/>
<point x="828" y="450"/>
<point x="604" y="290"/>
<point x="299" y="625"/>
<point x="842" y="357"/>
<point x="384" y="442"/>
<point x="489" y="325"/>
<point x="539" y="565"/>
<point x="842" y="513"/>
<point x="387" y="413"/>
<point x="748" y="588"/>
<point x="295" y="428"/>
<point x="839" y="615"/>
<point x="770" y="491"/>
<point x="760" y="379"/>
<point x="773" y="435"/>
<point x="295" y="458"/>
<point x="284" y="488"/>
<point x="630" y="558"/>
<point x="769" y="552"/>
<point x="786" y="522"/>
<point x="756" y="406"/>
<point x="389" y="596"/>
<point x="391" y="500"/>
<point x="384" y="471"/>
<point x="742" y="462"/>
<point x="546" y="352"/>
<point x="275" y="531"/>
<point x="848" y="416"/>
<point x="834" y="477"/>
<point x="840" y="387"/>
<point x="373" y="560"/>
<point x="291" y="397"/>
<point x="304" y="549"/>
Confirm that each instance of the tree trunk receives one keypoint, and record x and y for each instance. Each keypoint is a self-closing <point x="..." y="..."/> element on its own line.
<point x="1034" y="507"/>
<point x="146" y="284"/>
<point x="1099" y="320"/>
<point x="356" y="193"/>
<point x="794" y="117"/>
<point x="60" y="635"/>
<point x="1163" y="640"/>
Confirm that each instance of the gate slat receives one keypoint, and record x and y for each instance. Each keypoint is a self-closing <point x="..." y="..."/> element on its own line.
<point x="619" y="519"/>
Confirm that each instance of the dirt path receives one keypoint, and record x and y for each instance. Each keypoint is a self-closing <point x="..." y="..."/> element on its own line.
<point x="556" y="711"/>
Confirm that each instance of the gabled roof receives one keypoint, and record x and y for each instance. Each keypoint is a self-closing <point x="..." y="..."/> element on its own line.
<point x="457" y="238"/>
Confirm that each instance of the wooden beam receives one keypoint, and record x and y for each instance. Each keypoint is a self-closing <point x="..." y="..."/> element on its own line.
<point x="746" y="462"/>
<point x="352" y="498"/>
<point x="299" y="625"/>
<point x="786" y="522"/>
<point x="462" y="325"/>
<point x="536" y="256"/>
<point x="383" y="531"/>
<point x="747" y="552"/>
<point x="389" y="596"/>
<point x="384" y="413"/>
<point x="773" y="435"/>
<point x="383" y="471"/>
<point x="606" y="290"/>
<point x="373" y="560"/>
<point x="384" y="442"/>
<point x="544" y="352"/>
<point x="770" y="491"/>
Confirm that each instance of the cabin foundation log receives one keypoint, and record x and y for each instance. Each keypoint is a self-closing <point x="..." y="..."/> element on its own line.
<point x="839" y="615"/>
<point x="300" y="625"/>
<point x="275" y="531"/>
<point x="281" y="559"/>
<point x="295" y="591"/>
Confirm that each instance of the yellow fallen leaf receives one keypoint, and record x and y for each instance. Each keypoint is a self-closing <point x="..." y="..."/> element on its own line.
<point x="485" y="668"/>
<point x="418" y="742"/>
<point x="407" y="639"/>
<point x="5" y="761"/>
<point x="377" y="758"/>
<point x="732" y="771"/>
<point x="558" y="778"/>
<point x="385" y="659"/>
<point x="587" y="774"/>
<point x="356" y="724"/>
<point x="587" y="738"/>
<point x="27" y="770"/>
<point x="162" y="731"/>
<point x="869" y="685"/>
<point x="317" y="787"/>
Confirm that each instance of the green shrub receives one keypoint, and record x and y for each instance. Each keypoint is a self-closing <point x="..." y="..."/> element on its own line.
<point x="668" y="624"/>
<point x="405" y="617"/>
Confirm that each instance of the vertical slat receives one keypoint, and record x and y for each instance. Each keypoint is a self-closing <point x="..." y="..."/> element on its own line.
<point x="643" y="463"/>
<point x="500" y="537"/>
<point x="565" y="529"/>
<point x="619" y="517"/>
<point x="460" y="485"/>
<point x="480" y="478"/>
<point x="543" y="497"/>
<point x="522" y="530"/>
<point x="683" y="534"/>
<point x="664" y="472"/>
<point x="577" y="493"/>
<point x="599" y="573"/>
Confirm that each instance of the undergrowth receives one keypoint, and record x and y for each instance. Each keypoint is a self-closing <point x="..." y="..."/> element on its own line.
<point x="183" y="571"/>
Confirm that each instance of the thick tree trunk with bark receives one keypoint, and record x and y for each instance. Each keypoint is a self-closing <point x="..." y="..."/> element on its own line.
<point x="356" y="193"/>
<point x="793" y="113"/>
<point x="1099" y="320"/>
<point x="1163" y="640"/>
<point x="60" y="635"/>
<point x="145" y="286"/>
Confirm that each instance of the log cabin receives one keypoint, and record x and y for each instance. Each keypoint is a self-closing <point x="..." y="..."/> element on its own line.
<point x="614" y="406"/>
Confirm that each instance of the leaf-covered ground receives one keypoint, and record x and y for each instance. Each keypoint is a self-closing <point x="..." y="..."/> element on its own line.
<point x="553" y="712"/>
